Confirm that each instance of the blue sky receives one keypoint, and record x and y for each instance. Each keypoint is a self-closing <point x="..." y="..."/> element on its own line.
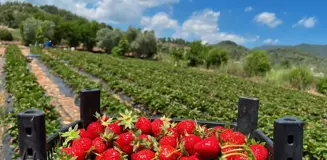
<point x="247" y="22"/>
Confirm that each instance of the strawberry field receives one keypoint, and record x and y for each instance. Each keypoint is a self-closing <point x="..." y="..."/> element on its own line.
<point x="22" y="85"/>
<point x="185" y="93"/>
<point x="162" y="90"/>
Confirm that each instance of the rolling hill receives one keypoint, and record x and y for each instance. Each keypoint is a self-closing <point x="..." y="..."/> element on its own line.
<point x="312" y="49"/>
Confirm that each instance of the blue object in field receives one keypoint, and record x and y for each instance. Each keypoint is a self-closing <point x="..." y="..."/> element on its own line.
<point x="48" y="44"/>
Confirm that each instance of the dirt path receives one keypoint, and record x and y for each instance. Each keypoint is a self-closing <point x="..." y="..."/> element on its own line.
<point x="64" y="105"/>
<point x="2" y="98"/>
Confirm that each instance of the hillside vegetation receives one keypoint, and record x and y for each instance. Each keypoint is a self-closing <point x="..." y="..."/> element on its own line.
<point x="312" y="49"/>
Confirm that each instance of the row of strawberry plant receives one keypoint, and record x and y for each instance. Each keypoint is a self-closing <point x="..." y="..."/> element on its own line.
<point x="80" y="82"/>
<point x="275" y="102"/>
<point x="184" y="92"/>
<point x="27" y="93"/>
<point x="153" y="100"/>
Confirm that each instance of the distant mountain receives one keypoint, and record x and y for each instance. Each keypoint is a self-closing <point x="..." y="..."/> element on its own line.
<point x="234" y="51"/>
<point x="315" y="50"/>
<point x="292" y="56"/>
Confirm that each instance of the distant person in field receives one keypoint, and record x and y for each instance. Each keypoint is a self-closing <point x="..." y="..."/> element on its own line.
<point x="48" y="44"/>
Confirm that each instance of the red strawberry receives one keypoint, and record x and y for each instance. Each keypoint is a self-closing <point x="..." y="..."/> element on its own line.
<point x="216" y="129"/>
<point x="83" y="143"/>
<point x="173" y="131"/>
<point x="259" y="151"/>
<point x="143" y="136"/>
<point x="207" y="148"/>
<point x="99" y="157"/>
<point x="237" y="138"/>
<point x="94" y="129"/>
<point x="124" y="142"/>
<point x="184" y="158"/>
<point x="77" y="152"/>
<point x="84" y="134"/>
<point x="99" y="145"/>
<point x="115" y="127"/>
<point x="240" y="158"/>
<point x="111" y="154"/>
<point x="168" y="140"/>
<point x="143" y="155"/>
<point x="156" y="127"/>
<point x="102" y="119"/>
<point x="168" y="152"/>
<point x="228" y="151"/>
<point x="189" y="142"/>
<point x="186" y="126"/>
<point x="144" y="125"/>
<point x="194" y="157"/>
<point x="225" y="135"/>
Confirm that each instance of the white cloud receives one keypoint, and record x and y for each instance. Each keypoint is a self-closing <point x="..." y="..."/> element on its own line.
<point x="268" y="19"/>
<point x="204" y="26"/>
<point x="113" y="11"/>
<point x="270" y="41"/>
<point x="248" y="9"/>
<point x="155" y="3"/>
<point x="159" y="22"/>
<point x="307" y="22"/>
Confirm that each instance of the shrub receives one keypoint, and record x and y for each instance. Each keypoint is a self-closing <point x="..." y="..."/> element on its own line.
<point x="233" y="68"/>
<point x="177" y="54"/>
<point x="257" y="63"/>
<point x="322" y="86"/>
<point x="5" y="35"/>
<point x="299" y="78"/>
<point x="216" y="57"/>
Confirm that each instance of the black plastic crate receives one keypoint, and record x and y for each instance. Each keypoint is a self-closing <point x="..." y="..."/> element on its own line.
<point x="287" y="144"/>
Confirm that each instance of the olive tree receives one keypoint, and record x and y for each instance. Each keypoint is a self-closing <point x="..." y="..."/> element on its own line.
<point x="29" y="30"/>
<point x="35" y="31"/>
<point x="108" y="39"/>
<point x="145" y="44"/>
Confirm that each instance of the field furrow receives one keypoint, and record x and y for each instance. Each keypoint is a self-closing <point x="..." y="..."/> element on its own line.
<point x="80" y="82"/>
<point x="65" y="105"/>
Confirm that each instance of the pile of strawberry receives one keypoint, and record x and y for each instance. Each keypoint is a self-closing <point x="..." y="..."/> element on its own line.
<point x="138" y="138"/>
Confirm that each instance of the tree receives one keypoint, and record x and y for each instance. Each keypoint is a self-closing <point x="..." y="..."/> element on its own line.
<point x="122" y="47"/>
<point x="194" y="55"/>
<point x="88" y="34"/>
<point x="29" y="30"/>
<point x="177" y="54"/>
<point x="72" y="32"/>
<point x="215" y="56"/>
<point x="131" y="33"/>
<point x="5" y="35"/>
<point x="108" y="39"/>
<point x="257" y="63"/>
<point x="145" y="44"/>
<point x="48" y="27"/>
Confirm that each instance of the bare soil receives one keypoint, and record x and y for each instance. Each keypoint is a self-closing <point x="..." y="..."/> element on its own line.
<point x="65" y="106"/>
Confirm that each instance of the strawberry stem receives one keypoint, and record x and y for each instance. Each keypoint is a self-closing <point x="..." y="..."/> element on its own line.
<point x="234" y="150"/>
<point x="232" y="145"/>
<point x="172" y="153"/>
<point x="234" y="154"/>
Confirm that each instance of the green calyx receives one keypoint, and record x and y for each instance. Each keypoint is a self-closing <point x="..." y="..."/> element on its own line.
<point x="71" y="134"/>
<point x="127" y="119"/>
